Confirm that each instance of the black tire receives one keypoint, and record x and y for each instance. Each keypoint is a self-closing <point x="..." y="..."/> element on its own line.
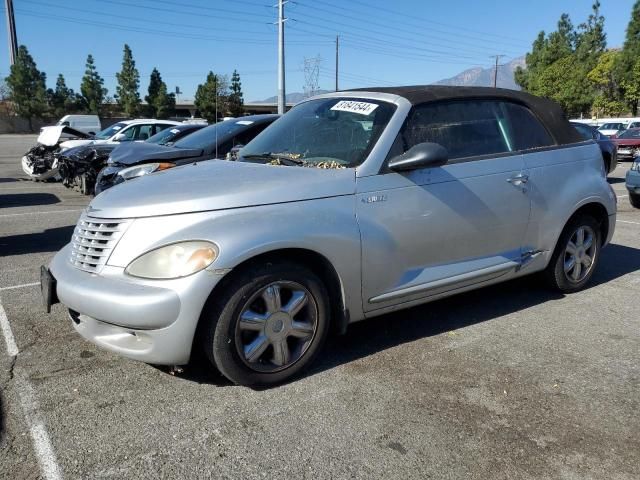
<point x="555" y="273"/>
<point x="222" y="336"/>
<point x="634" y="199"/>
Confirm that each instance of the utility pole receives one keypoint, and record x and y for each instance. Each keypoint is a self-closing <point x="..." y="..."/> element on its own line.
<point x="11" y="30"/>
<point x="495" y="70"/>
<point x="281" y="83"/>
<point x="337" y="55"/>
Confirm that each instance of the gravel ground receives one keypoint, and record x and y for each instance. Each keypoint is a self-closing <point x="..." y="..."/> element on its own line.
<point x="506" y="382"/>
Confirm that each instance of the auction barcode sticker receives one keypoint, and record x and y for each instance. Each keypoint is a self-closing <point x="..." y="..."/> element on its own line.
<point x="363" y="108"/>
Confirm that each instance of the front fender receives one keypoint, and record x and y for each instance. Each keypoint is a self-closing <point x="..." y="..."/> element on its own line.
<point x="325" y="226"/>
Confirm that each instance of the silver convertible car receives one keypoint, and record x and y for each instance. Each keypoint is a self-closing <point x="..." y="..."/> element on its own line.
<point x="352" y="205"/>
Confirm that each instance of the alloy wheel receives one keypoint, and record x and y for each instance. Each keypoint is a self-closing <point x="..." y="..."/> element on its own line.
<point x="580" y="254"/>
<point x="276" y="326"/>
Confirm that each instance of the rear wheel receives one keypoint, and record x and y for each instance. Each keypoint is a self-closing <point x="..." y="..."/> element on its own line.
<point x="576" y="255"/>
<point x="268" y="324"/>
<point x="634" y="198"/>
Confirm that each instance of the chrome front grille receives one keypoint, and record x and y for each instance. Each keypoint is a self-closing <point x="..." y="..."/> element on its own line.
<point x="93" y="241"/>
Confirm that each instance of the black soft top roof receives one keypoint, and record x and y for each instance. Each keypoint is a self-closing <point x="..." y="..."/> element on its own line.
<point x="548" y="111"/>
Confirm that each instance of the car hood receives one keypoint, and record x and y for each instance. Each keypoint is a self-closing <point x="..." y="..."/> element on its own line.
<point x="50" y="136"/>
<point x="219" y="185"/>
<point x="626" y="141"/>
<point x="79" y="143"/>
<point x="133" y="153"/>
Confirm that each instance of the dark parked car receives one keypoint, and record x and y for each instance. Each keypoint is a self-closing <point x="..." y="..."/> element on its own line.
<point x="628" y="143"/>
<point x="79" y="166"/>
<point x="607" y="146"/>
<point x="216" y="141"/>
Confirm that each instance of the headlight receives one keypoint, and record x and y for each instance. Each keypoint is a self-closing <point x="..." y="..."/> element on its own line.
<point x="174" y="261"/>
<point x="140" y="170"/>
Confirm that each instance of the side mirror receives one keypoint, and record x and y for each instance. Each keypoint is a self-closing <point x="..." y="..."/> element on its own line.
<point x="120" y="137"/>
<point x="422" y="155"/>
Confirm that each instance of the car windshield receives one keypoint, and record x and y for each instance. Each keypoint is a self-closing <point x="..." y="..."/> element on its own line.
<point x="635" y="133"/>
<point x="165" y="136"/>
<point x="206" y="137"/>
<point x="612" y="126"/>
<point x="110" y="131"/>
<point x="325" y="133"/>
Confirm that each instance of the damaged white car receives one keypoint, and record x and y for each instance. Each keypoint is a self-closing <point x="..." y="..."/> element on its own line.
<point x="40" y="162"/>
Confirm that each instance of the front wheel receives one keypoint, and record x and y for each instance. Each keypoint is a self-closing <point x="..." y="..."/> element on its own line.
<point x="268" y="324"/>
<point x="576" y="255"/>
<point x="634" y="198"/>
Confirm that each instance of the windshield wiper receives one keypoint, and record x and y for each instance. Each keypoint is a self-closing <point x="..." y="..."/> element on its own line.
<point x="294" y="158"/>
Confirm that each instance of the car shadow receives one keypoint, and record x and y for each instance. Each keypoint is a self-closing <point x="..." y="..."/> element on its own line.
<point x="614" y="180"/>
<point x="50" y="240"/>
<point x="387" y="331"/>
<point x="27" y="199"/>
<point x="11" y="180"/>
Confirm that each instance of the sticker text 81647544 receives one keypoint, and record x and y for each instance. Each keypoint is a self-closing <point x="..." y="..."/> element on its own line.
<point x="363" y="108"/>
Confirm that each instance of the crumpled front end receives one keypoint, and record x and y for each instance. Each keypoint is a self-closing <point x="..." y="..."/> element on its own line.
<point x="40" y="163"/>
<point x="79" y="168"/>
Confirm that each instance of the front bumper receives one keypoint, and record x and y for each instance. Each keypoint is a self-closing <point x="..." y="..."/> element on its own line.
<point x="633" y="182"/>
<point x="150" y="321"/>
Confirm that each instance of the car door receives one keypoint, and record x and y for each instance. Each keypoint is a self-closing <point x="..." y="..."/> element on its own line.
<point x="431" y="230"/>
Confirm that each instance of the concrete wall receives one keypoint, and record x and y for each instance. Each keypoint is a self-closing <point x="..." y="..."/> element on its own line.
<point x="12" y="124"/>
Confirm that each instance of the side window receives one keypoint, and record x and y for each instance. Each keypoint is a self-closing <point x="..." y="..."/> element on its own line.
<point x="525" y="129"/>
<point x="131" y="133"/>
<point x="143" y="132"/>
<point x="585" y="132"/>
<point x="250" y="134"/>
<point x="466" y="128"/>
<point x="158" y="127"/>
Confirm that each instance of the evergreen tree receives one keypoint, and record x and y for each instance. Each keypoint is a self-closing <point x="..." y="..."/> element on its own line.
<point x="165" y="102"/>
<point x="127" y="93"/>
<point x="236" y="100"/>
<point x="210" y="97"/>
<point x="161" y="103"/>
<point x="62" y="100"/>
<point x="559" y="63"/>
<point x="155" y="83"/>
<point x="27" y="87"/>
<point x="92" y="87"/>
<point x="628" y="58"/>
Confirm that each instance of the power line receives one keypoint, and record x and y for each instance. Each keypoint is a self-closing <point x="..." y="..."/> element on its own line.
<point x="164" y="33"/>
<point x="418" y="31"/>
<point x="422" y="19"/>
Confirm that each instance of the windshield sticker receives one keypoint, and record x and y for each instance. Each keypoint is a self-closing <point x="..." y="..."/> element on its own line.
<point x="117" y="127"/>
<point x="363" y="108"/>
<point x="244" y="122"/>
<point x="174" y="131"/>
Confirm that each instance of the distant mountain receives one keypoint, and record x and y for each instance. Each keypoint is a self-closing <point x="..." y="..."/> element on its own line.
<point x="293" y="97"/>
<point x="483" y="77"/>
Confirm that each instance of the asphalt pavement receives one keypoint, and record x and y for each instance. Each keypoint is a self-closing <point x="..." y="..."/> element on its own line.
<point x="507" y="382"/>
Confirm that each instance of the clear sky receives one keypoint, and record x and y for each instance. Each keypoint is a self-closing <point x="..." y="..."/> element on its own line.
<point x="382" y="42"/>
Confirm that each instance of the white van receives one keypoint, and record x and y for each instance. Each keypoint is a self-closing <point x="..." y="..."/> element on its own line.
<point x="84" y="123"/>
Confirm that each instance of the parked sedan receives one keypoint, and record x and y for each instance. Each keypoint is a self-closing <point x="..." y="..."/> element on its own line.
<point x="611" y="129"/>
<point x="628" y="143"/>
<point x="633" y="183"/>
<point x="215" y="141"/>
<point x="607" y="147"/>
<point x="125" y="131"/>
<point x="80" y="166"/>
<point x="352" y="205"/>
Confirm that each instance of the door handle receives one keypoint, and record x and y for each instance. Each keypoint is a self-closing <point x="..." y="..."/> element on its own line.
<point x="518" y="179"/>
